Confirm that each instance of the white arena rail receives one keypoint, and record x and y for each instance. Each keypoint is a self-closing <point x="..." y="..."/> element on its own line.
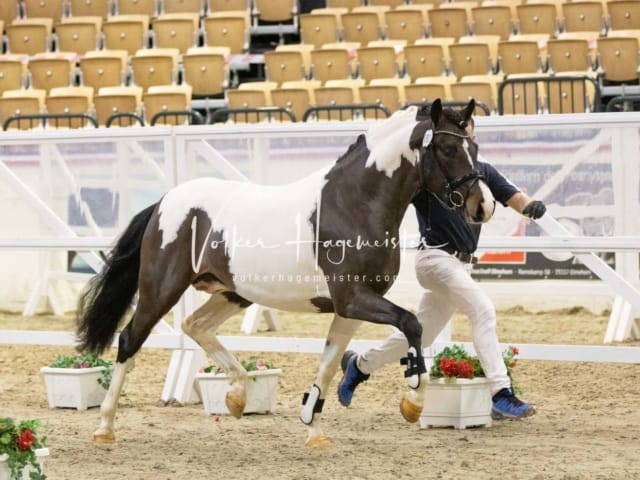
<point x="41" y="171"/>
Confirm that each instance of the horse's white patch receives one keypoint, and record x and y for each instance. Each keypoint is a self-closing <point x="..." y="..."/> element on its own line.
<point x="266" y="231"/>
<point x="388" y="141"/>
<point x="465" y="146"/>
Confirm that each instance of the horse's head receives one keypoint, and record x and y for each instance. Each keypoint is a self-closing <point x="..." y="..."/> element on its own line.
<point x="449" y="158"/>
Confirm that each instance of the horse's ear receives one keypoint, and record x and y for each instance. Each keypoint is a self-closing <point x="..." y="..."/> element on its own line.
<point x="436" y="111"/>
<point x="468" y="111"/>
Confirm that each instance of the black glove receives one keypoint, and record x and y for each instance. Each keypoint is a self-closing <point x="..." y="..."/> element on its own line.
<point x="534" y="209"/>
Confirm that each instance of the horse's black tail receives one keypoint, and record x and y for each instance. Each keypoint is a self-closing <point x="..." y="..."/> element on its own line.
<point x="110" y="292"/>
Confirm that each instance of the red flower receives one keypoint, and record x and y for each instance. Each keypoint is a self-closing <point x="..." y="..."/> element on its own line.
<point x="25" y="440"/>
<point x="465" y="369"/>
<point x="515" y="351"/>
<point x="448" y="367"/>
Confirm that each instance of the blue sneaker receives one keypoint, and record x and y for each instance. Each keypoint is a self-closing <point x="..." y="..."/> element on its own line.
<point x="507" y="405"/>
<point x="351" y="379"/>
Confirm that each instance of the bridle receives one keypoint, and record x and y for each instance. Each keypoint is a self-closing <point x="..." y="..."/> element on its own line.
<point x="455" y="197"/>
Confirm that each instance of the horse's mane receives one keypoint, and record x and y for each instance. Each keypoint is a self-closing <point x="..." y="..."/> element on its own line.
<point x="361" y="140"/>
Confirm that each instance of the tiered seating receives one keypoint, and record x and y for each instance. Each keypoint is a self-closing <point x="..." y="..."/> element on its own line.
<point x="386" y="52"/>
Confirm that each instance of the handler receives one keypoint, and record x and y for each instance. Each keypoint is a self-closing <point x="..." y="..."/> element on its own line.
<point x="443" y="267"/>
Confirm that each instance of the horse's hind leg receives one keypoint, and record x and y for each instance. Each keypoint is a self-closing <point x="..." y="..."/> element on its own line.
<point x="150" y="309"/>
<point x="202" y="325"/>
<point x="341" y="331"/>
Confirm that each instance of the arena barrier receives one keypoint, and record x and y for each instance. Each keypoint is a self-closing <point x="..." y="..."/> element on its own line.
<point x="75" y="190"/>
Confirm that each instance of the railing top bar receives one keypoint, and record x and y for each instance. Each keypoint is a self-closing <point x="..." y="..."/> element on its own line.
<point x="494" y="122"/>
<point x="628" y="243"/>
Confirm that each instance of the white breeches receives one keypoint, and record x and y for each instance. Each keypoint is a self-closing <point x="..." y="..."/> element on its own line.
<point x="449" y="287"/>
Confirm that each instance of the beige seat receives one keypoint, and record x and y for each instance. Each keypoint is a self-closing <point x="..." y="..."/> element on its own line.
<point x="481" y="92"/>
<point x="176" y="30"/>
<point x="330" y="64"/>
<point x="491" y="41"/>
<point x="160" y="100"/>
<point x="228" y="5"/>
<point x="296" y="96"/>
<point x="196" y="7"/>
<point x="425" y="60"/>
<point x="90" y="8"/>
<point x="69" y="100"/>
<point x="227" y="29"/>
<point x="361" y="27"/>
<point x="436" y="87"/>
<point x="522" y="94"/>
<point x="377" y="62"/>
<point x="584" y="16"/>
<point x="304" y="49"/>
<point x="206" y="69"/>
<point x="149" y="8"/>
<point x="517" y="56"/>
<point x="282" y="66"/>
<point x="492" y="20"/>
<point x="348" y="4"/>
<point x="618" y="59"/>
<point x="624" y="14"/>
<point x="154" y="66"/>
<point x="449" y="21"/>
<point x="251" y="95"/>
<point x="470" y="59"/>
<point x="118" y="101"/>
<point x="405" y="24"/>
<point x="51" y="9"/>
<point x="9" y="11"/>
<point x="79" y="34"/>
<point x="29" y="36"/>
<point x="383" y="94"/>
<point x="538" y="18"/>
<point x="317" y="29"/>
<point x="569" y="55"/>
<point x="13" y="72"/>
<point x="51" y="70"/>
<point x="126" y="32"/>
<point x="103" y="68"/>
<point x="22" y="102"/>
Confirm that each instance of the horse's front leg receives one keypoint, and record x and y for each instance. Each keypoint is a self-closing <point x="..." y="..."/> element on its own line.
<point x="368" y="305"/>
<point x="202" y="326"/>
<point x="341" y="331"/>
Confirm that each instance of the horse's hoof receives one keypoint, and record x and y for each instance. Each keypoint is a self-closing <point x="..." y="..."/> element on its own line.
<point x="410" y="411"/>
<point x="318" y="442"/>
<point x="104" y="438"/>
<point x="235" y="404"/>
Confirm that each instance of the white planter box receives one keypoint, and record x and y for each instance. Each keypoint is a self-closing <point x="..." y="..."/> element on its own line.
<point x="73" y="387"/>
<point x="262" y="391"/>
<point x="459" y="403"/>
<point x="5" y="473"/>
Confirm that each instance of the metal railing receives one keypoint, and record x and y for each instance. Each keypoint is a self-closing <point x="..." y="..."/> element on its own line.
<point x="50" y="120"/>
<point x="543" y="94"/>
<point x="252" y="115"/>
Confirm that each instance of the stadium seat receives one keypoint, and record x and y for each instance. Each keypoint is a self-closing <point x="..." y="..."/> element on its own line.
<point x="206" y="69"/>
<point x="176" y="30"/>
<point x="79" y="34"/>
<point x="103" y="68"/>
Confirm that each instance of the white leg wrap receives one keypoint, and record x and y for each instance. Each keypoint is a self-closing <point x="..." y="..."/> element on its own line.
<point x="309" y="408"/>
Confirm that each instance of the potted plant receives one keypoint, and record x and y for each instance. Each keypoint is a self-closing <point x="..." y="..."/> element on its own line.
<point x="458" y="393"/>
<point x="78" y="381"/>
<point x="22" y="450"/>
<point x="213" y="385"/>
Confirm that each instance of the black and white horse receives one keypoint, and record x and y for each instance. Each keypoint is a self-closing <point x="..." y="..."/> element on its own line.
<point x="327" y="243"/>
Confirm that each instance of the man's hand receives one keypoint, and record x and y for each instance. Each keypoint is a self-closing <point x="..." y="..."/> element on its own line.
<point x="534" y="209"/>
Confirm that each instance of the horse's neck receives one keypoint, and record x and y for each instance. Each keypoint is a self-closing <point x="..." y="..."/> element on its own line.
<point x="386" y="197"/>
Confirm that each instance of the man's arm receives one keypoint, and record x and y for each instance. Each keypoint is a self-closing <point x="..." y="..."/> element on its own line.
<point x="524" y="205"/>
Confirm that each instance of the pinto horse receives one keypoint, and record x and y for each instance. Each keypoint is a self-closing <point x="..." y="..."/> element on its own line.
<point x="327" y="243"/>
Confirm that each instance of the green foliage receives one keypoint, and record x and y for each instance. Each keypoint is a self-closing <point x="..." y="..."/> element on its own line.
<point x="19" y="442"/>
<point x="253" y="364"/>
<point x="86" y="361"/>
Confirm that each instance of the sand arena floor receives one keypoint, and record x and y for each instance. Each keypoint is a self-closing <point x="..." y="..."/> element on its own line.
<point x="587" y="426"/>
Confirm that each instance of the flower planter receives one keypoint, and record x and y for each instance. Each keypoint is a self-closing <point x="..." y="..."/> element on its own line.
<point x="5" y="473"/>
<point x="73" y="387"/>
<point x="458" y="403"/>
<point x="262" y="391"/>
